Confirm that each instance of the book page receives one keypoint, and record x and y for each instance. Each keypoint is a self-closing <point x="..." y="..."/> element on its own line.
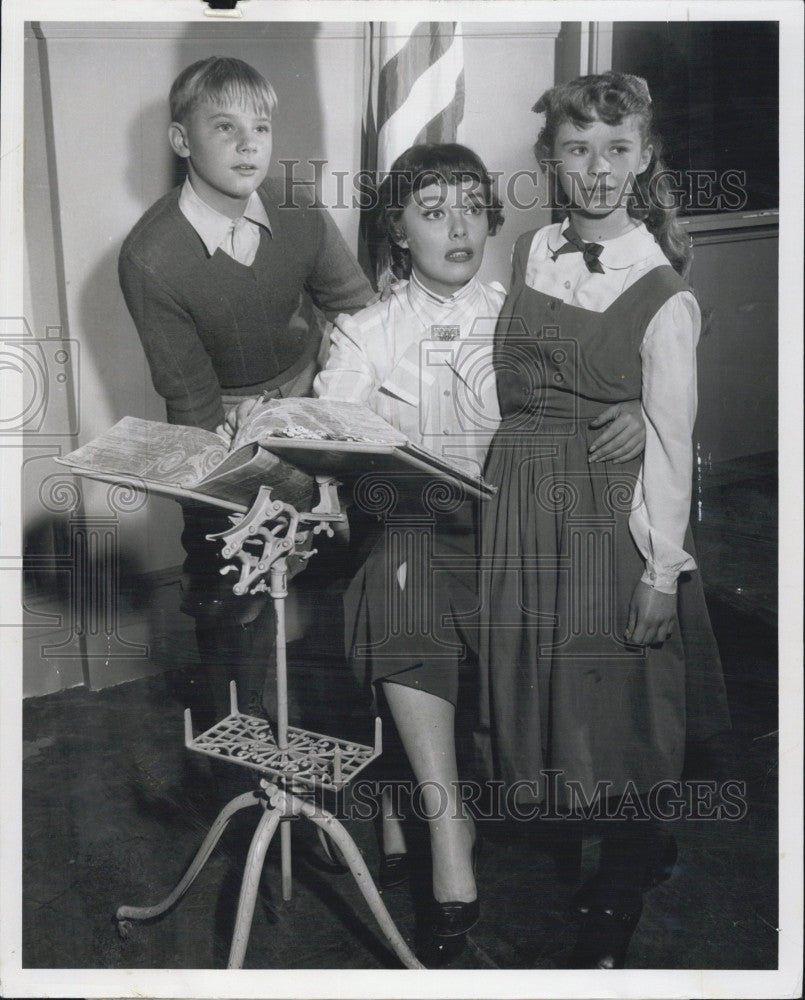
<point x="147" y="449"/>
<point x="316" y="420"/>
<point x="245" y="470"/>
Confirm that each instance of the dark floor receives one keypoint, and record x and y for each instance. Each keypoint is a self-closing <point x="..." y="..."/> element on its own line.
<point x="114" y="808"/>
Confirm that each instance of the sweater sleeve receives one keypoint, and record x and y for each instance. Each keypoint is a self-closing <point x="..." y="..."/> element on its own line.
<point x="181" y="369"/>
<point x="336" y="282"/>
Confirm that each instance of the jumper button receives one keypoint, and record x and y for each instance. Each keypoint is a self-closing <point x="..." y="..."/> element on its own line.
<point x="552" y="305"/>
<point x="558" y="378"/>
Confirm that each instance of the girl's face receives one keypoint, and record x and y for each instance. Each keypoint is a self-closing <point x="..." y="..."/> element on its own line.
<point x="444" y="226"/>
<point x="597" y="164"/>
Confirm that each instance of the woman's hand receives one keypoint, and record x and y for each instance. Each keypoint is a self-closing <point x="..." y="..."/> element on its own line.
<point x="624" y="434"/>
<point x="235" y="417"/>
<point x="652" y="615"/>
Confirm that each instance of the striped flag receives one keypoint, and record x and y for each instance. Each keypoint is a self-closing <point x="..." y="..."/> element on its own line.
<point x="414" y="83"/>
<point x="415" y="87"/>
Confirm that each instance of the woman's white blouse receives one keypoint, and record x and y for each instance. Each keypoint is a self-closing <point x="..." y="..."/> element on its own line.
<point x="424" y="364"/>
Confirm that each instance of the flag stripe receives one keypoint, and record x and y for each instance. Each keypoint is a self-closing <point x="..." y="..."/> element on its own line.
<point x="426" y="45"/>
<point x="414" y="91"/>
<point x="432" y="92"/>
<point x="446" y="122"/>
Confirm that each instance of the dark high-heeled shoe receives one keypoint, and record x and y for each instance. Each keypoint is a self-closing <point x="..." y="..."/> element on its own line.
<point x="455" y="918"/>
<point x="447" y="939"/>
<point x="605" y="934"/>
<point x="441" y="953"/>
<point x="393" y="872"/>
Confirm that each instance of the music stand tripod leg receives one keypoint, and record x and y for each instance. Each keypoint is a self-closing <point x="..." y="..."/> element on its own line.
<point x="279" y="591"/>
<point x="353" y="858"/>
<point x="249" y="886"/>
<point x="126" y="913"/>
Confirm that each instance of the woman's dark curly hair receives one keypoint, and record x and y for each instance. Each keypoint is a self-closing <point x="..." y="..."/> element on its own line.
<point x="609" y="98"/>
<point x="419" y="166"/>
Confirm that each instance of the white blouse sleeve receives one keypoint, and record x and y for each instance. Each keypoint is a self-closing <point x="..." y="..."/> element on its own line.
<point x="348" y="372"/>
<point x="661" y="507"/>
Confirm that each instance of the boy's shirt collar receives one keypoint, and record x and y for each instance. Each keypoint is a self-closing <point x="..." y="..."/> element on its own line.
<point x="213" y="227"/>
<point x="621" y="252"/>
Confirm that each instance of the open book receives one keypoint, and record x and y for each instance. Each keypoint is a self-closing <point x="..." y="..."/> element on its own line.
<point x="189" y="462"/>
<point x="283" y="444"/>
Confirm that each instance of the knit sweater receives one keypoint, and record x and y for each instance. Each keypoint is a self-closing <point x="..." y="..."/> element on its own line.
<point x="209" y="324"/>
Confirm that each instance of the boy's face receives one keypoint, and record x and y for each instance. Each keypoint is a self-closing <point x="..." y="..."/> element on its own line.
<point x="445" y="228"/>
<point x="228" y="152"/>
<point x="597" y="164"/>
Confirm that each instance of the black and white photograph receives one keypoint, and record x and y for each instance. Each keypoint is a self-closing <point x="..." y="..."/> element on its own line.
<point x="400" y="482"/>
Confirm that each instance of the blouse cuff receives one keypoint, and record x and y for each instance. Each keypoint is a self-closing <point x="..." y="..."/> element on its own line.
<point x="666" y="583"/>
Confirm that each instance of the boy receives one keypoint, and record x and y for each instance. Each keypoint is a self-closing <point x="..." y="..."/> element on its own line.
<point x="221" y="283"/>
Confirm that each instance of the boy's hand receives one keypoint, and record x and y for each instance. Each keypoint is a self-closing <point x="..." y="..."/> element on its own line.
<point x="235" y="417"/>
<point x="624" y="434"/>
<point x="652" y="615"/>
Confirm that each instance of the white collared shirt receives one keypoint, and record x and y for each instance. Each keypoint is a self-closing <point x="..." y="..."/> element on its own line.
<point x="239" y="238"/>
<point x="661" y="506"/>
<point x="439" y="392"/>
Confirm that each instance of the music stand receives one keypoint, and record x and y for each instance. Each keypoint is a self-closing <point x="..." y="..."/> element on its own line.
<point x="295" y="763"/>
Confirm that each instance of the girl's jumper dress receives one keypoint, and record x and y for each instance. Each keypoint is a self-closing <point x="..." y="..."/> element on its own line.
<point x="561" y="689"/>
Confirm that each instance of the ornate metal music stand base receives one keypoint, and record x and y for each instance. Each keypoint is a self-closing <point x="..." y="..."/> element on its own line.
<point x="248" y="741"/>
<point x="296" y="762"/>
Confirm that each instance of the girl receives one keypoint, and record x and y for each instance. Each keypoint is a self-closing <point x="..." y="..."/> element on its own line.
<point x="583" y="667"/>
<point x="414" y="358"/>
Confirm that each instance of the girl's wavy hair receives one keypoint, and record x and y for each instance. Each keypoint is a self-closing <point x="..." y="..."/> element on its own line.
<point x="220" y="80"/>
<point x="419" y="166"/>
<point x="611" y="97"/>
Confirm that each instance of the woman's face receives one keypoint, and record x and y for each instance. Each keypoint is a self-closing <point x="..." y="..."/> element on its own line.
<point x="444" y="227"/>
<point x="596" y="165"/>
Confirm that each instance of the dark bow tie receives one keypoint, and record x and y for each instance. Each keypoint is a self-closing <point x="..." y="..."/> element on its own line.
<point x="575" y="244"/>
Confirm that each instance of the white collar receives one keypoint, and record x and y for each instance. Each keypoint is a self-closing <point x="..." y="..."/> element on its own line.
<point x="418" y="290"/>
<point x="213" y="226"/>
<point x="621" y="252"/>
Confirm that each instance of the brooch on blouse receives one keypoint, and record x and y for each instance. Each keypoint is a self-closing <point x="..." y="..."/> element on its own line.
<point x="444" y="332"/>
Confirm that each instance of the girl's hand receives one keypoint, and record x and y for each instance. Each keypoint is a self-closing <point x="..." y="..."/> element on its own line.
<point x="235" y="417"/>
<point x="624" y="436"/>
<point x="652" y="615"/>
